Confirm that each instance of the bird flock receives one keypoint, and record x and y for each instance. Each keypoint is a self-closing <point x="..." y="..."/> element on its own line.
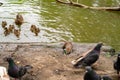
<point x="19" y="20"/>
<point x="86" y="61"/>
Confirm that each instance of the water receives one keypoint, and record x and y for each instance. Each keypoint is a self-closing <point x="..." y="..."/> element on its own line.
<point x="62" y="22"/>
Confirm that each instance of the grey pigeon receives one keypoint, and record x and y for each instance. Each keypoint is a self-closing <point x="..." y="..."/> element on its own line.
<point x="90" y="57"/>
<point x="91" y="74"/>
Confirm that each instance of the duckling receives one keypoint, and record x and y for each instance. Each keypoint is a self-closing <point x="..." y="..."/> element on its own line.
<point x="4" y="23"/>
<point x="37" y="30"/>
<point x="33" y="27"/>
<point x="6" y="32"/>
<point x="19" y="20"/>
<point x="67" y="47"/>
<point x="17" y="33"/>
<point x="11" y="27"/>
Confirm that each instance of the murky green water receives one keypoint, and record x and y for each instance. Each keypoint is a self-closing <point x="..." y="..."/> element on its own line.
<point x="62" y="22"/>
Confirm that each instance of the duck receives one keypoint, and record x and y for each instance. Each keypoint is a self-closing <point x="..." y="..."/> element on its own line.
<point x="14" y="70"/>
<point x="11" y="28"/>
<point x="33" y="27"/>
<point x="4" y="24"/>
<point x="6" y="31"/>
<point x="89" y="58"/>
<point x="17" y="33"/>
<point x="35" y="30"/>
<point x="19" y="19"/>
<point x="67" y="47"/>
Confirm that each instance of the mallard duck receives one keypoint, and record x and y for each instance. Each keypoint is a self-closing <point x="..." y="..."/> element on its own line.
<point x="90" y="58"/>
<point x="67" y="47"/>
<point x="11" y="28"/>
<point x="17" y="33"/>
<point x="4" y="24"/>
<point x="19" y="19"/>
<point x="6" y="31"/>
<point x="15" y="71"/>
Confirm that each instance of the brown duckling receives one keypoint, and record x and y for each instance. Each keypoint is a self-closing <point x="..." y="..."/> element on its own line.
<point x="33" y="27"/>
<point x="19" y="19"/>
<point x="11" y="28"/>
<point x="4" y="23"/>
<point x="67" y="47"/>
<point x="6" y="32"/>
<point x="35" y="30"/>
<point x="17" y="33"/>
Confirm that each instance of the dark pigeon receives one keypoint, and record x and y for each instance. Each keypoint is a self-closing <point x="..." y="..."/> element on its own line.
<point x="16" y="72"/>
<point x="91" y="74"/>
<point x="90" y="57"/>
<point x="106" y="77"/>
<point x="117" y="64"/>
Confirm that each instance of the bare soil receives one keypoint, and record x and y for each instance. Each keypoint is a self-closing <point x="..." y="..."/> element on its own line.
<point x="49" y="62"/>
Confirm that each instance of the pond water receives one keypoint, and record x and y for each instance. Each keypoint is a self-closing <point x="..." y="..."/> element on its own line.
<point x="63" y="22"/>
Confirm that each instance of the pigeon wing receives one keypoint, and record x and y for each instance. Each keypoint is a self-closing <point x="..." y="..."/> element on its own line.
<point x="22" y="71"/>
<point x="90" y="59"/>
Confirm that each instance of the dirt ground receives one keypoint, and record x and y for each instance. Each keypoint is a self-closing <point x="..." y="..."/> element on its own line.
<point x="49" y="62"/>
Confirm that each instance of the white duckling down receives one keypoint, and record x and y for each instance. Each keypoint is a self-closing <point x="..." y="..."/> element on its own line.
<point x="3" y="74"/>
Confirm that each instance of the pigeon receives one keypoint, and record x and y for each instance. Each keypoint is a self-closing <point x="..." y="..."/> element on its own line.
<point x="91" y="57"/>
<point x="19" y="19"/>
<point x="67" y="47"/>
<point x="117" y="64"/>
<point x="91" y="74"/>
<point x="106" y="77"/>
<point x="14" y="71"/>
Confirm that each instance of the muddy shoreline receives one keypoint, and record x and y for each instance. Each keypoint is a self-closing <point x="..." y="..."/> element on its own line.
<point x="49" y="63"/>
